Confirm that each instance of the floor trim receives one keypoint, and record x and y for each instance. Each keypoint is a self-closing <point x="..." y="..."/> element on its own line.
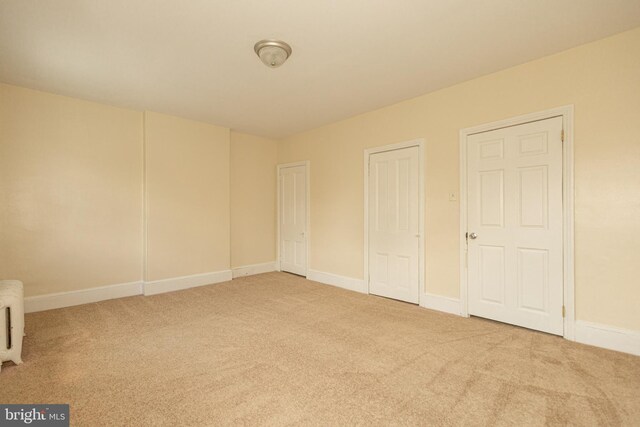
<point x="612" y="338"/>
<point x="186" y="282"/>
<point x="250" y="270"/>
<point x="441" y="303"/>
<point x="344" y="282"/>
<point x="83" y="296"/>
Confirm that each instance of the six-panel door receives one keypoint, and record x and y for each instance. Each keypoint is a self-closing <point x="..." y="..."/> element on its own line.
<point x="515" y="209"/>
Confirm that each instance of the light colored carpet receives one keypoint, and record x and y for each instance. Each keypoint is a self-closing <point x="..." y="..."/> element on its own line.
<point x="276" y="349"/>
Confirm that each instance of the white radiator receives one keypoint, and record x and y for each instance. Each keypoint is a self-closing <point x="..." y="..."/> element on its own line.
<point x="11" y="321"/>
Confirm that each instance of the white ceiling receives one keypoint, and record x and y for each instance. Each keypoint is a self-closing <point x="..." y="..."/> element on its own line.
<point x="195" y="58"/>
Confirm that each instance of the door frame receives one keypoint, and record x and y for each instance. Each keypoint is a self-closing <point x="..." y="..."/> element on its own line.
<point x="420" y="143"/>
<point x="307" y="170"/>
<point x="566" y="112"/>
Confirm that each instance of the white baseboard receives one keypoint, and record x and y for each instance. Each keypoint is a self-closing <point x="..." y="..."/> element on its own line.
<point x="186" y="282"/>
<point x="434" y="302"/>
<point x="250" y="270"/>
<point x="624" y="340"/>
<point x="83" y="296"/>
<point x="102" y="293"/>
<point x="441" y="303"/>
<point x="344" y="282"/>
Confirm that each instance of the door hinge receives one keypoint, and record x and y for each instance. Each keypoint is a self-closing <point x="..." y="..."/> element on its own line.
<point x="564" y="311"/>
<point x="562" y="135"/>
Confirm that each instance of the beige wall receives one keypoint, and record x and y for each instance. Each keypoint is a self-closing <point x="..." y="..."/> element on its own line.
<point x="74" y="178"/>
<point x="601" y="79"/>
<point x="70" y="192"/>
<point x="187" y="197"/>
<point x="253" y="199"/>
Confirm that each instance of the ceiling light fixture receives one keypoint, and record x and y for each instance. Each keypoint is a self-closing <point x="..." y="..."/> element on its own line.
<point x="273" y="53"/>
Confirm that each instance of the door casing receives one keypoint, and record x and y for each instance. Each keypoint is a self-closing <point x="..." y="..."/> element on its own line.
<point x="421" y="186"/>
<point x="307" y="169"/>
<point x="566" y="112"/>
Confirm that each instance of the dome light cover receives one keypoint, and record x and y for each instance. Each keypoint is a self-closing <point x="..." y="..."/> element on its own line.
<point x="273" y="53"/>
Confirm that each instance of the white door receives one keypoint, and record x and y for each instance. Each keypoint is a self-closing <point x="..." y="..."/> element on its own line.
<point x="515" y="225"/>
<point x="393" y="224"/>
<point x="293" y="219"/>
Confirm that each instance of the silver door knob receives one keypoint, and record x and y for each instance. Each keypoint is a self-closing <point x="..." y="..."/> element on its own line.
<point x="473" y="236"/>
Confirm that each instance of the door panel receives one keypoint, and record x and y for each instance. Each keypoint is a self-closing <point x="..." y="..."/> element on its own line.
<point x="515" y="209"/>
<point x="533" y="196"/>
<point x="533" y="274"/>
<point x="293" y="220"/>
<point x="393" y="224"/>
<point x="492" y="198"/>
<point x="492" y="273"/>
